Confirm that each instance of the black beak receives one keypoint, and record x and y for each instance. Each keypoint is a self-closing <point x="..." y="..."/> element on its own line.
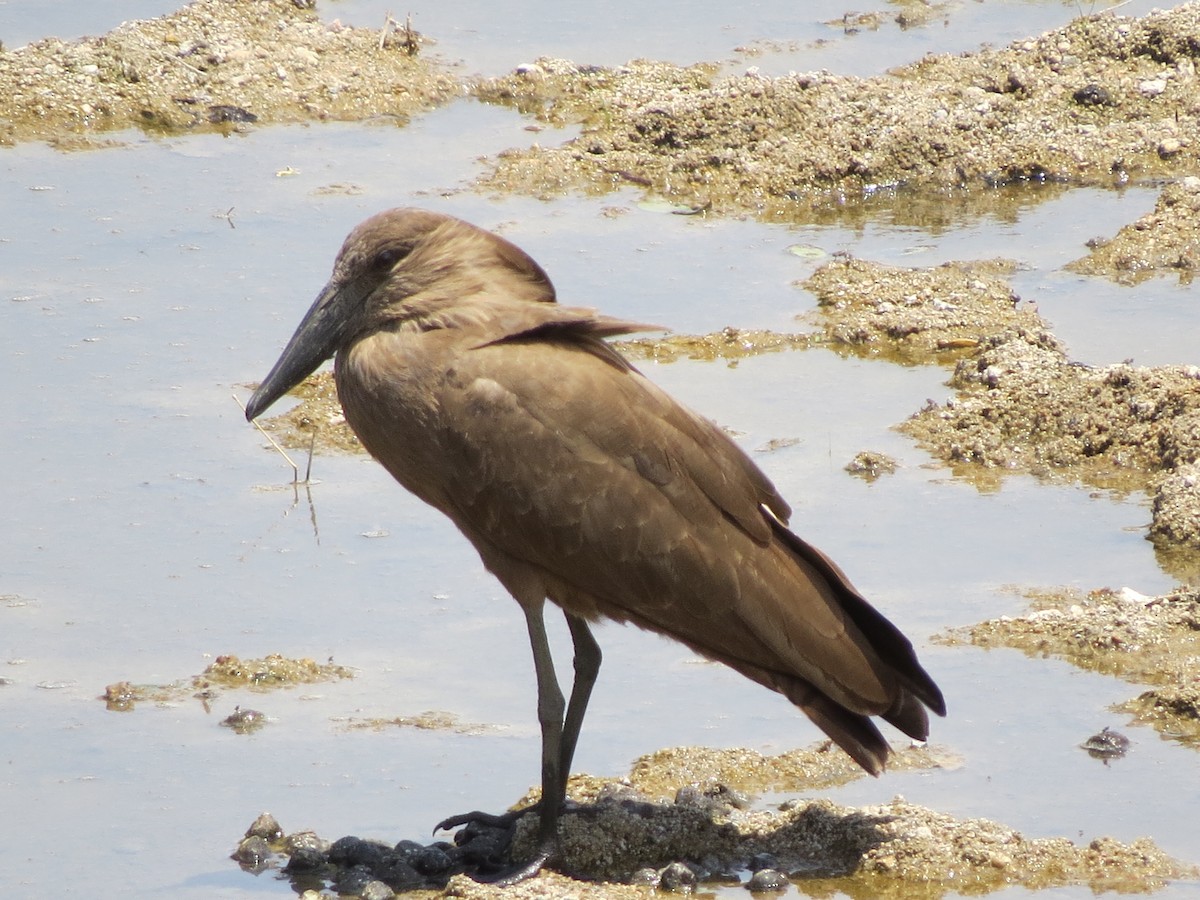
<point x="316" y="339"/>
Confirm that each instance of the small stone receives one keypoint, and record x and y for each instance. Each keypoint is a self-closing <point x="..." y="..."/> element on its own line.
<point x="1135" y="598"/>
<point x="432" y="860"/>
<point x="678" y="878"/>
<point x="354" y="851"/>
<point x="120" y="696"/>
<point x="244" y="721"/>
<point x="222" y="112"/>
<point x="305" y="851"/>
<point x="408" y="849"/>
<point x="266" y="827"/>
<point x="1169" y="147"/>
<point x="1106" y="744"/>
<point x="870" y="465"/>
<point x="731" y="796"/>
<point x="1092" y="95"/>
<point x="1152" y="87"/>
<point x="646" y="877"/>
<point x="252" y="851"/>
<point x="376" y="890"/>
<point x="395" y="872"/>
<point x="351" y="881"/>
<point x="768" y="880"/>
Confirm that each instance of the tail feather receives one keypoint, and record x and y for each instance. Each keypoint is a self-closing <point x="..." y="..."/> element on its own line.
<point x="854" y="733"/>
<point x="885" y="638"/>
<point x="908" y="714"/>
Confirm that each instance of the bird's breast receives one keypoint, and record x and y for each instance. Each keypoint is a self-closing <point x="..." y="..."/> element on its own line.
<point x="390" y="389"/>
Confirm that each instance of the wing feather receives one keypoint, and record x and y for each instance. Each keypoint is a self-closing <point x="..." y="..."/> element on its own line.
<point x="554" y="454"/>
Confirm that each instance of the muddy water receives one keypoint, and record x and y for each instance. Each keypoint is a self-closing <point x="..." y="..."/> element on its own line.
<point x="145" y="529"/>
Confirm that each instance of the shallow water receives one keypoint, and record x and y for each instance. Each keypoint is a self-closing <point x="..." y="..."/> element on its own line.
<point x="775" y="35"/>
<point x="146" y="529"/>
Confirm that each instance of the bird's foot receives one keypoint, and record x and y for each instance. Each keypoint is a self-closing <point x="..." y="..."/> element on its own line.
<point x="482" y="819"/>
<point x="521" y="872"/>
<point x="493" y="835"/>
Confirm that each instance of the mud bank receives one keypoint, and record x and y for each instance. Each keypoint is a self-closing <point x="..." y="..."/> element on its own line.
<point x="673" y="823"/>
<point x="1100" y="101"/>
<point x="1020" y="404"/>
<point x="1163" y="242"/>
<point x="214" y="65"/>
<point x="1151" y="641"/>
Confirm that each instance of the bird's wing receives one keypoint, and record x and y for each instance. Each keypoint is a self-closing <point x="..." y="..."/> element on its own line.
<point x="701" y="449"/>
<point x="554" y="456"/>
<point x="556" y="418"/>
<point x="591" y="472"/>
<point x="531" y="432"/>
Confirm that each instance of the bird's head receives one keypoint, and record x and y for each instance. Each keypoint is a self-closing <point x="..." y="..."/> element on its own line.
<point x="400" y="265"/>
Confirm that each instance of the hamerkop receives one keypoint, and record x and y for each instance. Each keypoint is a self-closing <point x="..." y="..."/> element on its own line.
<point x="581" y="482"/>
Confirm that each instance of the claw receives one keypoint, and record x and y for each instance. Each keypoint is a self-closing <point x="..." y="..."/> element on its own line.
<point x="524" y="871"/>
<point x="488" y="820"/>
<point x="510" y="874"/>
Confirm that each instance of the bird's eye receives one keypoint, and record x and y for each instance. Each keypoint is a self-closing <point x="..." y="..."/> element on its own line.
<point x="388" y="257"/>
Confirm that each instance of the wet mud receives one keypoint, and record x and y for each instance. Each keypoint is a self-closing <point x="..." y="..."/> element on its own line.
<point x="1149" y="641"/>
<point x="916" y="316"/>
<point x="1163" y="242"/>
<point x="430" y="720"/>
<point x="1103" y="100"/>
<point x="214" y="65"/>
<point x="675" y="824"/>
<point x="227" y="672"/>
<point x="1021" y="404"/>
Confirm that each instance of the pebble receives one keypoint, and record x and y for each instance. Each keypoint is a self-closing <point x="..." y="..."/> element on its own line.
<point x="1092" y="94"/>
<point x="376" y="890"/>
<point x="352" y="881"/>
<point x="244" y="721"/>
<point x="305" y="851"/>
<point x="768" y="880"/>
<point x="252" y="851"/>
<point x="1107" y="744"/>
<point x="678" y="878"/>
<point x="1169" y="147"/>
<point x="646" y="876"/>
<point x="266" y="827"/>
<point x="353" y="851"/>
<point x="431" y="860"/>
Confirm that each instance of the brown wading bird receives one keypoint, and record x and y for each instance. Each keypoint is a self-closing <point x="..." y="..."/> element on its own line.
<point x="581" y="482"/>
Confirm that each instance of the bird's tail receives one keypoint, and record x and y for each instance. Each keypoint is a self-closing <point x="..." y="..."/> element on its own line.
<point x="855" y="732"/>
<point x="888" y="642"/>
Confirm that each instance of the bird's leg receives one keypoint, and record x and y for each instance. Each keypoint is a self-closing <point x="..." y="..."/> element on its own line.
<point x="560" y="734"/>
<point x="550" y="708"/>
<point x="587" y="667"/>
